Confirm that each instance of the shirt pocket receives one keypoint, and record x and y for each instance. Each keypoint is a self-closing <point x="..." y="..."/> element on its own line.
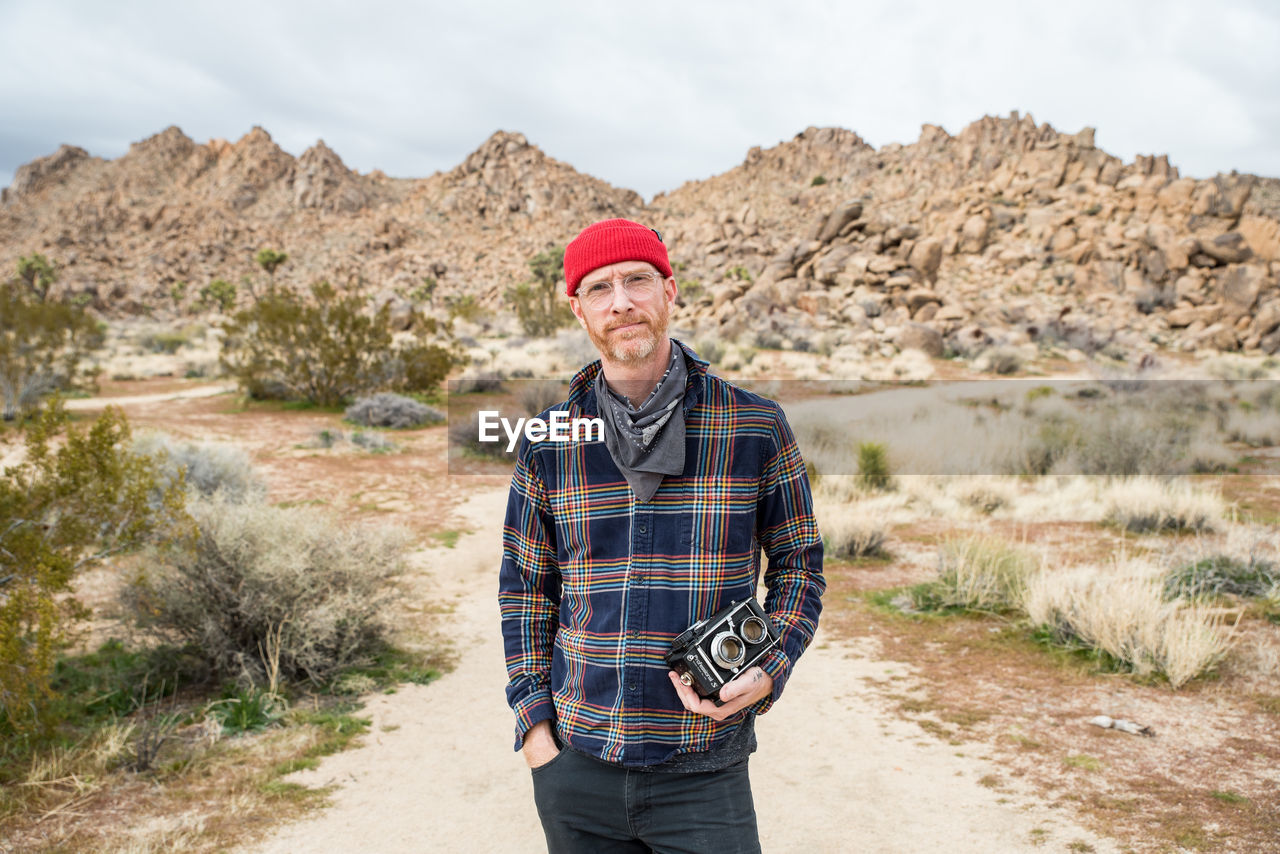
<point x="719" y="518"/>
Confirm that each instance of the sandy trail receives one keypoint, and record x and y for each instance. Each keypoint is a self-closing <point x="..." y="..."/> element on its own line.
<point x="836" y="770"/>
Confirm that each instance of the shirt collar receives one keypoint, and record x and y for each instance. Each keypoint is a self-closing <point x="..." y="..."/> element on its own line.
<point x="582" y="386"/>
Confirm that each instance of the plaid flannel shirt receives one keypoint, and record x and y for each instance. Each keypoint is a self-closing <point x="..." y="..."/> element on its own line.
<point x="594" y="586"/>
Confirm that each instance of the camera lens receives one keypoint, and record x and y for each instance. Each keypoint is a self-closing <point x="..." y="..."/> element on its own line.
<point x="728" y="650"/>
<point x="753" y="630"/>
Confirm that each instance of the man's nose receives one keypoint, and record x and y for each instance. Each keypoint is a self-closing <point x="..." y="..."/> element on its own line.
<point x="621" y="299"/>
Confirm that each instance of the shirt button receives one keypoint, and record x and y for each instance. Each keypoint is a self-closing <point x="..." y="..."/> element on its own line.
<point x="632" y="687"/>
<point x="644" y="528"/>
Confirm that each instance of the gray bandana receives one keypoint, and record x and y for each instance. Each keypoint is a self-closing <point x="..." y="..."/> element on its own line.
<point x="648" y="442"/>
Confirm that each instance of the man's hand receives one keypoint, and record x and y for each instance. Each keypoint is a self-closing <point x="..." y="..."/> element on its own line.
<point x="751" y="686"/>
<point x="539" y="745"/>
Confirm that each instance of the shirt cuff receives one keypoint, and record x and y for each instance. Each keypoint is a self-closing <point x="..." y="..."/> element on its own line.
<point x="778" y="666"/>
<point x="535" y="708"/>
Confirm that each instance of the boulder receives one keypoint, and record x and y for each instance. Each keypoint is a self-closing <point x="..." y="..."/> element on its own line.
<point x="973" y="235"/>
<point x="1268" y="317"/>
<point x="1229" y="248"/>
<point x="1241" y="285"/>
<point x="837" y="220"/>
<point x="926" y="257"/>
<point x="917" y="336"/>
<point x="920" y="297"/>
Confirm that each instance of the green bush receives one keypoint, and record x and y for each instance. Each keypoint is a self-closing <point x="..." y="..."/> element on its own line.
<point x="220" y="293"/>
<point x="38" y="274"/>
<point x="43" y="343"/>
<point x="326" y="350"/>
<point x="538" y="303"/>
<point x="1222" y="575"/>
<point x="465" y="307"/>
<point x="244" y="710"/>
<point x="426" y="291"/>
<point x="269" y="593"/>
<point x="873" y="465"/>
<point x="818" y="181"/>
<point x="270" y="259"/>
<point x="61" y="510"/>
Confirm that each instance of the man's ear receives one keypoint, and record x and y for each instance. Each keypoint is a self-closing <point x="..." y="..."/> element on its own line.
<point x="669" y="287"/>
<point x="575" y="305"/>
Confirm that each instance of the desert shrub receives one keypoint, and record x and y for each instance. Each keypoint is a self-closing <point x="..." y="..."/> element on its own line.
<point x="1001" y="360"/>
<point x="265" y="592"/>
<point x="1153" y="505"/>
<point x="980" y="574"/>
<point x="375" y="442"/>
<point x="854" y="534"/>
<point x="422" y="366"/>
<point x="242" y="710"/>
<point x="203" y="467"/>
<point x="327" y="349"/>
<point x="818" y="181"/>
<point x="464" y="436"/>
<point x="535" y="396"/>
<point x="1118" y="442"/>
<point x="1122" y="616"/>
<point x="165" y="342"/>
<point x="269" y="259"/>
<point x="465" y="307"/>
<point x="219" y="293"/>
<point x="538" y="303"/>
<point x="391" y="410"/>
<point x="984" y="493"/>
<point x="476" y="384"/>
<point x="711" y="349"/>
<point x="873" y="465"/>
<point x="60" y="510"/>
<point x="44" y="343"/>
<point x="326" y="438"/>
<point x="1258" y="429"/>
<point x="1221" y="574"/>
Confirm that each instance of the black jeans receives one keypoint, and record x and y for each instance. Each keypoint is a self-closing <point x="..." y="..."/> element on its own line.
<point x="593" y="807"/>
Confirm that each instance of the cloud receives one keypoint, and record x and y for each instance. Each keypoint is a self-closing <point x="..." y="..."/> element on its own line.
<point x="645" y="97"/>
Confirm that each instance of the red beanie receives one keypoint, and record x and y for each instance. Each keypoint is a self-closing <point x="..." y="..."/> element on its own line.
<point x="608" y="242"/>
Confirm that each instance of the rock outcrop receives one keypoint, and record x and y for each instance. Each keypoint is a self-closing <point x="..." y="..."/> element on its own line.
<point x="1008" y="232"/>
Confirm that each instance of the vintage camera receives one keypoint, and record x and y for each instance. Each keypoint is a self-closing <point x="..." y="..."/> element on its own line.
<point x="714" y="651"/>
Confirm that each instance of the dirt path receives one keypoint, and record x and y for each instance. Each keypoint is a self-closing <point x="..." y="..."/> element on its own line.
<point x="836" y="771"/>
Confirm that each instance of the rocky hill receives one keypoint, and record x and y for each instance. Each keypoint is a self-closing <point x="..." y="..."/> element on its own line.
<point x="1006" y="233"/>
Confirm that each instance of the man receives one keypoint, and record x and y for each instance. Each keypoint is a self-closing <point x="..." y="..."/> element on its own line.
<point x="613" y="548"/>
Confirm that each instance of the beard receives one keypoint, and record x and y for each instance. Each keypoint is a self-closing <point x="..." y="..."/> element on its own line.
<point x="635" y="344"/>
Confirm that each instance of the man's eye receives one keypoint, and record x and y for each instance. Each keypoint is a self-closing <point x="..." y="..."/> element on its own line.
<point x="636" y="280"/>
<point x="597" y="289"/>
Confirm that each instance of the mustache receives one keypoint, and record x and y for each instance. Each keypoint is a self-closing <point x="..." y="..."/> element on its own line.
<point x="622" y="323"/>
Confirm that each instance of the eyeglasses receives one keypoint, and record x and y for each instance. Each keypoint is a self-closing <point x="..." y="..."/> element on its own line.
<point x="639" y="287"/>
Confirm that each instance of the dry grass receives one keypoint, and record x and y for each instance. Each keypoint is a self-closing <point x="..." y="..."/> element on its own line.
<point x="983" y="574"/>
<point x="1153" y="505"/>
<point x="851" y="533"/>
<point x="1121" y="610"/>
<point x="215" y="794"/>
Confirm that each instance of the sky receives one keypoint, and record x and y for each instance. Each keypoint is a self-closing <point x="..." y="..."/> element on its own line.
<point x="643" y="95"/>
